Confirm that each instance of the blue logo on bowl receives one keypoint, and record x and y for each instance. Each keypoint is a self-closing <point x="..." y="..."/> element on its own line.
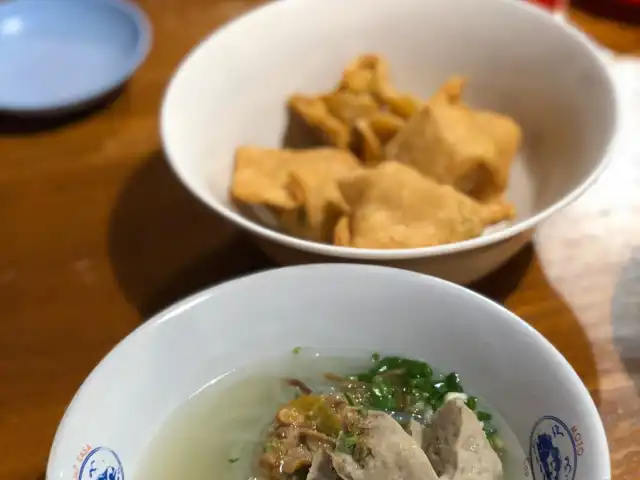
<point x="101" y="463"/>
<point x="552" y="450"/>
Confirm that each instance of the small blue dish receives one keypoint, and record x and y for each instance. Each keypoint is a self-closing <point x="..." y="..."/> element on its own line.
<point x="60" y="55"/>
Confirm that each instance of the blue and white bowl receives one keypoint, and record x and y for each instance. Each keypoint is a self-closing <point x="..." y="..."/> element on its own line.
<point x="556" y="432"/>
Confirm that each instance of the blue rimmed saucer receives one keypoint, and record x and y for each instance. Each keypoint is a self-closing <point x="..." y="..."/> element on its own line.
<point x="60" y="55"/>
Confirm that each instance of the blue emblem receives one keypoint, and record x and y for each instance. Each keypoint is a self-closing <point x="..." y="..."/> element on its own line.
<point x="101" y="463"/>
<point x="552" y="450"/>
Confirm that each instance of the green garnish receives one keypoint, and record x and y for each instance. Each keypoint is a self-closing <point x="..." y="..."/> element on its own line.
<point x="496" y="443"/>
<point x="401" y="385"/>
<point x="346" y="442"/>
<point x="233" y="460"/>
<point x="489" y="430"/>
<point x="483" y="416"/>
<point x="382" y="394"/>
<point x="364" y="377"/>
<point x="296" y="350"/>
<point x="452" y="383"/>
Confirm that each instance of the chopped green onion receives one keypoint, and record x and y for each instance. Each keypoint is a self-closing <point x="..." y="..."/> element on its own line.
<point x="440" y="387"/>
<point x="346" y="442"/>
<point x="489" y="430"/>
<point x="364" y="377"/>
<point x="418" y="370"/>
<point x="452" y="382"/>
<point x="296" y="350"/>
<point x="386" y="364"/>
<point x="382" y="395"/>
<point x="496" y="442"/>
<point x="233" y="460"/>
<point x="483" y="416"/>
<point x="375" y="358"/>
<point x="472" y="403"/>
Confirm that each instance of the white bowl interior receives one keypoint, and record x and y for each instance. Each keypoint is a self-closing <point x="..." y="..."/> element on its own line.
<point x="499" y="357"/>
<point x="520" y="61"/>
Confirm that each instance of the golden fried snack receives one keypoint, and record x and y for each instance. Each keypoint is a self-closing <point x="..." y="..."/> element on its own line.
<point x="333" y="115"/>
<point x="450" y="91"/>
<point x="315" y="113"/>
<point x="364" y="93"/>
<point x="260" y="176"/>
<point x="372" y="133"/>
<point x="394" y="206"/>
<point x="299" y="185"/>
<point x="349" y="107"/>
<point x="362" y="74"/>
<point x="314" y="186"/>
<point x="506" y="135"/>
<point x="498" y="210"/>
<point x="370" y="73"/>
<point x="435" y="173"/>
<point x="470" y="150"/>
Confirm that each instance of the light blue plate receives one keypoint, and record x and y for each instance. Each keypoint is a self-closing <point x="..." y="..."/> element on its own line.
<point x="57" y="55"/>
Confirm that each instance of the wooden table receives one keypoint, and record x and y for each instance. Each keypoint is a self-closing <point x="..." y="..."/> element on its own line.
<point x="89" y="214"/>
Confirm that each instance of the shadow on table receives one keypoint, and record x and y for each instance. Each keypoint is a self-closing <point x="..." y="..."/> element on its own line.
<point x="164" y="244"/>
<point x="539" y="304"/>
<point x="625" y="316"/>
<point x="500" y="284"/>
<point x="11" y="124"/>
<point x="545" y="309"/>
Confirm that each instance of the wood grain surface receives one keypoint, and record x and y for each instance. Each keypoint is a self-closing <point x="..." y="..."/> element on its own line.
<point x="96" y="235"/>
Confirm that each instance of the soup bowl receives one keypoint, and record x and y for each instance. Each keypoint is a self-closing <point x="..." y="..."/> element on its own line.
<point x="232" y="90"/>
<point x="141" y="384"/>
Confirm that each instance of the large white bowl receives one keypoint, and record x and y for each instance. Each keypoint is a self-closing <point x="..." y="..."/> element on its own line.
<point x="499" y="357"/>
<point x="232" y="90"/>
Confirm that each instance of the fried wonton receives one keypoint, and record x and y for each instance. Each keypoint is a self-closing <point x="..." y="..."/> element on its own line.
<point x="315" y="113"/>
<point x="362" y="96"/>
<point x="450" y="91"/>
<point x="471" y="150"/>
<point x="372" y="133"/>
<point x="394" y="206"/>
<point x="299" y="185"/>
<point x="314" y="185"/>
<point x="260" y="177"/>
<point x="349" y="107"/>
<point x="370" y="73"/>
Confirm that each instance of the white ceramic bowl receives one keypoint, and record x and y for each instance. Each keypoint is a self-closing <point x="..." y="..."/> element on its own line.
<point x="232" y="90"/>
<point x="499" y="357"/>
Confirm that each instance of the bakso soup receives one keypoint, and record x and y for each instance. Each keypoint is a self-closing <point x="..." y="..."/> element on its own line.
<point x="393" y="421"/>
<point x="313" y="417"/>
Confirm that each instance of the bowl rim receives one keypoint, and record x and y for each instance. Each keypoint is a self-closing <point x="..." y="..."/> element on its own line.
<point x="137" y="57"/>
<point x="597" y="54"/>
<point x="175" y="310"/>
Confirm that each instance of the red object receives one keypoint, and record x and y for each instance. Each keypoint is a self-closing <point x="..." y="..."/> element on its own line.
<point x="550" y="4"/>
<point x="625" y="11"/>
